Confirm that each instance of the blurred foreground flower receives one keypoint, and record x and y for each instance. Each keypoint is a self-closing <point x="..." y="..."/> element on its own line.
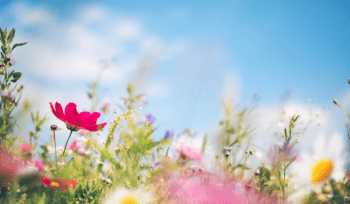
<point x="124" y="196"/>
<point x="25" y="147"/>
<point x="209" y="188"/>
<point x="76" y="121"/>
<point x="189" y="152"/>
<point x="324" y="163"/>
<point x="9" y="166"/>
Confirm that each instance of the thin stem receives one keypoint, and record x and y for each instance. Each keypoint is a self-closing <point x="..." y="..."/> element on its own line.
<point x="54" y="138"/>
<point x="66" y="146"/>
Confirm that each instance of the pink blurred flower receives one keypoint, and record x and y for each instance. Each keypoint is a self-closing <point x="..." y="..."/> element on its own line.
<point x="189" y="152"/>
<point x="73" y="145"/>
<point x="82" y="132"/>
<point x="38" y="164"/>
<point x="26" y="147"/>
<point x="209" y="188"/>
<point x="125" y="98"/>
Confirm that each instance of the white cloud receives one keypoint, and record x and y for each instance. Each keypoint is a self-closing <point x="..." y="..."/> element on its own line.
<point x="92" y="13"/>
<point x="157" y="89"/>
<point x="232" y="87"/>
<point x="127" y="29"/>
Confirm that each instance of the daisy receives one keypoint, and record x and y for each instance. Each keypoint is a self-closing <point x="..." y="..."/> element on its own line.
<point x="327" y="161"/>
<point x="123" y="196"/>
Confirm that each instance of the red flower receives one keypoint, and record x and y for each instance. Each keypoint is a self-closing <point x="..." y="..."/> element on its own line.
<point x="45" y="181"/>
<point x="59" y="184"/>
<point x="76" y="121"/>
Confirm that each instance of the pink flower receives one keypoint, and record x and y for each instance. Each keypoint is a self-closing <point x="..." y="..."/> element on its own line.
<point x="82" y="150"/>
<point x="82" y="132"/>
<point x="189" y="152"/>
<point x="125" y="98"/>
<point x="38" y="164"/>
<point x="76" y="121"/>
<point x="26" y="147"/>
<point x="73" y="145"/>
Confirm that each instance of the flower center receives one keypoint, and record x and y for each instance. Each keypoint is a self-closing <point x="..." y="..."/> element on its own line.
<point x="321" y="170"/>
<point x="54" y="184"/>
<point x="130" y="199"/>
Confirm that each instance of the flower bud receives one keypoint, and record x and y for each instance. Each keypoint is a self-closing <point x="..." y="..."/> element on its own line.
<point x="53" y="127"/>
<point x="257" y="172"/>
<point x="335" y="102"/>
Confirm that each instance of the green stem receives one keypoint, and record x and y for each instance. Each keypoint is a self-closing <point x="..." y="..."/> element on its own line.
<point x="54" y="138"/>
<point x="66" y="146"/>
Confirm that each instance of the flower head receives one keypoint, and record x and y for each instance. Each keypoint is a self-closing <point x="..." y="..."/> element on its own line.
<point x="38" y="164"/>
<point x="169" y="134"/>
<point x="2" y="64"/>
<point x="189" y="152"/>
<point x="277" y="155"/>
<point x="150" y="118"/>
<point x="73" y="145"/>
<point x="12" y="59"/>
<point x="123" y="196"/>
<point x="59" y="184"/>
<point x="76" y="121"/>
<point x="6" y="93"/>
<point x="228" y="149"/>
<point x="25" y="147"/>
<point x="125" y="98"/>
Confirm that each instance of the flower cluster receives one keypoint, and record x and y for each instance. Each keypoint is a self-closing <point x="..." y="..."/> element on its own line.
<point x="59" y="184"/>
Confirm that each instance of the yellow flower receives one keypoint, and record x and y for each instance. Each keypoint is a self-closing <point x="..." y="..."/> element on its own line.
<point x="321" y="170"/>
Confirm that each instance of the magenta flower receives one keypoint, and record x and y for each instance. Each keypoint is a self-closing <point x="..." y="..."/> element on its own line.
<point x="25" y="147"/>
<point x="38" y="164"/>
<point x="125" y="98"/>
<point x="73" y="145"/>
<point x="189" y="152"/>
<point x="76" y="121"/>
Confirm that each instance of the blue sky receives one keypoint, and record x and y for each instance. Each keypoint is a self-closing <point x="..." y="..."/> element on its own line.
<point x="202" y="52"/>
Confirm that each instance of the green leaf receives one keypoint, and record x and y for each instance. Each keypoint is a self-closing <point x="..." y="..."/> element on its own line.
<point x="2" y="37"/>
<point x="44" y="147"/>
<point x="16" y="76"/>
<point x="32" y="115"/>
<point x="99" y="168"/>
<point x="37" y="118"/>
<point x="204" y="143"/>
<point x="109" y="140"/>
<point x="18" y="44"/>
<point x="167" y="152"/>
<point x="11" y="36"/>
<point x="10" y="75"/>
<point x="31" y="134"/>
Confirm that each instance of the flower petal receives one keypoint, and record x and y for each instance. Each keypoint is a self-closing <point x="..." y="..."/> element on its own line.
<point x="95" y="127"/>
<point x="58" y="112"/>
<point x="72" y="115"/>
<point x="89" y="120"/>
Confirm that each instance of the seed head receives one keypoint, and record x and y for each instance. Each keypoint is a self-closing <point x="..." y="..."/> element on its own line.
<point x="257" y="172"/>
<point x="53" y="127"/>
<point x="335" y="102"/>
